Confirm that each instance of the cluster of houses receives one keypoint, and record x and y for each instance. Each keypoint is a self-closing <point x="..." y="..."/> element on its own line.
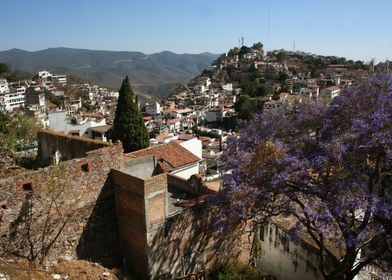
<point x="206" y="103"/>
<point x="31" y="97"/>
<point x="29" y="94"/>
<point x="298" y="83"/>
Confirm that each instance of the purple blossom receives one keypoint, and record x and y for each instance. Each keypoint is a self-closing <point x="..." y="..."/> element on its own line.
<point x="331" y="163"/>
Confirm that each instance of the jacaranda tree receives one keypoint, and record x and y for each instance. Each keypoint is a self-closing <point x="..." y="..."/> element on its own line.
<point x="326" y="168"/>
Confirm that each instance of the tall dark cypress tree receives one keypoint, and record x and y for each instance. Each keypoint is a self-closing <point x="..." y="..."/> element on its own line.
<point x="128" y="126"/>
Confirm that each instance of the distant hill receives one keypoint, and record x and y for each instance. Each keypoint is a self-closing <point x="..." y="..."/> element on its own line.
<point x="153" y="74"/>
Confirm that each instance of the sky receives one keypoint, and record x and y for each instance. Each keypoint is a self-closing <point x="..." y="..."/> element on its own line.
<point x="356" y="29"/>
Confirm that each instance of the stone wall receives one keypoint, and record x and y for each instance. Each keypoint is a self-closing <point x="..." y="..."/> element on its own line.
<point x="62" y="210"/>
<point x="66" y="146"/>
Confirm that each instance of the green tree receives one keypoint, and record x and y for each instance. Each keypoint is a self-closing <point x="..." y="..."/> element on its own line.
<point x="243" y="50"/>
<point x="234" y="271"/>
<point x="4" y="121"/>
<point x="17" y="76"/>
<point x="4" y="70"/>
<point x="128" y="126"/>
<point x="258" y="46"/>
<point x="282" y="80"/>
<point x="281" y="56"/>
<point x="263" y="90"/>
<point x="17" y="133"/>
<point x="246" y="106"/>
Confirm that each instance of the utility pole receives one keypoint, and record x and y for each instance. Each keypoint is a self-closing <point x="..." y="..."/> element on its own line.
<point x="268" y="25"/>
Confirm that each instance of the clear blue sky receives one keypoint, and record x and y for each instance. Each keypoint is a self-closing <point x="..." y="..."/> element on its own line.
<point x="357" y="29"/>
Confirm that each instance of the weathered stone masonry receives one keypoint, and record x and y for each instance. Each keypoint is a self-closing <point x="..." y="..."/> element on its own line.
<point x="73" y="198"/>
<point x="70" y="210"/>
<point x="64" y="147"/>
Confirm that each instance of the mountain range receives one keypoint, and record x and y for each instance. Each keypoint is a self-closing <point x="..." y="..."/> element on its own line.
<point x="151" y="74"/>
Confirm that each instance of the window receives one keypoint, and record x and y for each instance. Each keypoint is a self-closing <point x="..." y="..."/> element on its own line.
<point x="85" y="167"/>
<point x="27" y="187"/>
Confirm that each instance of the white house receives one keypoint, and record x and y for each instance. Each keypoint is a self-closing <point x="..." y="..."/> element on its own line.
<point x="215" y="115"/>
<point x="227" y="87"/>
<point x="14" y="99"/>
<point x="311" y="91"/>
<point x="77" y="125"/>
<point x="35" y="97"/>
<point x="174" y="125"/>
<point x="44" y="74"/>
<point x="289" y="99"/>
<point x="172" y="158"/>
<point x="4" y="86"/>
<point x="180" y="113"/>
<point x="193" y="145"/>
<point x="153" y="109"/>
<point x="45" y="78"/>
<point x="61" y="79"/>
<point x="72" y="105"/>
<point x="199" y="89"/>
<point x="330" y="92"/>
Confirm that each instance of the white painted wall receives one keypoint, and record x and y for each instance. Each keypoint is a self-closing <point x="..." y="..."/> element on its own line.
<point x="194" y="146"/>
<point x="227" y="87"/>
<point x="58" y="122"/>
<point x="187" y="171"/>
<point x="4" y="86"/>
<point x="284" y="259"/>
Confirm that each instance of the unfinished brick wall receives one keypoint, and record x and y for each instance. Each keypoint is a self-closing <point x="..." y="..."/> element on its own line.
<point x="155" y="243"/>
<point x="140" y="204"/>
<point x="67" y="146"/>
<point x="58" y="204"/>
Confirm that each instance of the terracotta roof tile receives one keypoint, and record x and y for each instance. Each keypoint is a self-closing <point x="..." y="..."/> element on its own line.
<point x="333" y="88"/>
<point x="92" y="115"/>
<point x="171" y="153"/>
<point x="147" y="118"/>
<point x="173" y="121"/>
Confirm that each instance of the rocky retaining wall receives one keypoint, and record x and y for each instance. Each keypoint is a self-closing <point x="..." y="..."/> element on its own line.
<point x="63" y="210"/>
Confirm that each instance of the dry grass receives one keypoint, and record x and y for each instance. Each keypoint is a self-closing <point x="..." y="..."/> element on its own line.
<point x="78" y="269"/>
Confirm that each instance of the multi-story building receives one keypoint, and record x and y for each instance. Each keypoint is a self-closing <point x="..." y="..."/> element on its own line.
<point x="153" y="109"/>
<point x="61" y="79"/>
<point x="78" y="125"/>
<point x="47" y="79"/>
<point x="35" y="97"/>
<point x="14" y="99"/>
<point x="72" y="105"/>
<point x="4" y="86"/>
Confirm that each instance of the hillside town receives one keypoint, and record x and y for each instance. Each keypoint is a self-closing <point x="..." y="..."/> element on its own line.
<point x="158" y="197"/>
<point x="207" y="107"/>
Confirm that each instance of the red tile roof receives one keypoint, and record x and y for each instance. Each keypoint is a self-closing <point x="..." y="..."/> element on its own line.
<point x="333" y="88"/>
<point x="147" y="118"/>
<point x="92" y="115"/>
<point x="204" y="138"/>
<point x="168" y="111"/>
<point x="173" y="121"/>
<point x="172" y="153"/>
